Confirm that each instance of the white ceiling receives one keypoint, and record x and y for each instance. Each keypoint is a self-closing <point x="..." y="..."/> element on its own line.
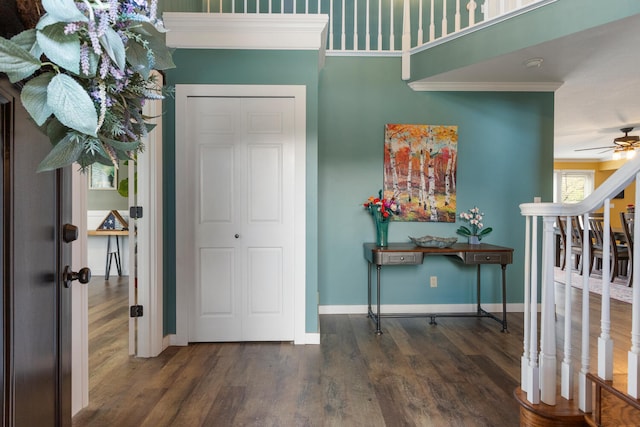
<point x="599" y="93"/>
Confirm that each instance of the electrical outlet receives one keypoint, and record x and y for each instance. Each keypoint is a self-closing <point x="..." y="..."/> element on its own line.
<point x="434" y="281"/>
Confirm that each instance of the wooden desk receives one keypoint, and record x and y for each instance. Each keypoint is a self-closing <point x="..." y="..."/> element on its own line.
<point x="111" y="254"/>
<point x="409" y="254"/>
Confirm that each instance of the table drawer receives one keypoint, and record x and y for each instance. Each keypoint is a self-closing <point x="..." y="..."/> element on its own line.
<point x="488" y="258"/>
<point x="399" y="258"/>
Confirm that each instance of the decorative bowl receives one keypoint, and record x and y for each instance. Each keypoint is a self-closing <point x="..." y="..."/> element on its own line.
<point x="433" y="241"/>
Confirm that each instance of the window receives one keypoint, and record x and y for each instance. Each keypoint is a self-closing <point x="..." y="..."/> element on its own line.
<point x="572" y="186"/>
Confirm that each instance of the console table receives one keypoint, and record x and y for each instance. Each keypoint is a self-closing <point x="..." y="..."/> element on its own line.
<point x="409" y="254"/>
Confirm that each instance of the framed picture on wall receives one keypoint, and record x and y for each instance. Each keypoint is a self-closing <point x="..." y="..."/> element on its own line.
<point x="103" y="177"/>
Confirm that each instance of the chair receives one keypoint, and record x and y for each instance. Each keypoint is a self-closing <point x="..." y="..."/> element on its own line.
<point x="576" y="243"/>
<point x="619" y="254"/>
<point x="626" y="219"/>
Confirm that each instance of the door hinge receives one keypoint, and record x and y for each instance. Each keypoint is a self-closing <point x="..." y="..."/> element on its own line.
<point x="135" y="311"/>
<point x="135" y="212"/>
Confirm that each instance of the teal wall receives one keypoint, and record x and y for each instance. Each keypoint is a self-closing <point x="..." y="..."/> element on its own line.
<point x="243" y="67"/>
<point x="505" y="158"/>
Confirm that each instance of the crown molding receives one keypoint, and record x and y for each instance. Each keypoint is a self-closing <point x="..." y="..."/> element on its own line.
<point x="246" y="31"/>
<point x="425" y="86"/>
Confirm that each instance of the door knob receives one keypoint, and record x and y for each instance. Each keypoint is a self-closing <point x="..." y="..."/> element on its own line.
<point x="236" y="236"/>
<point x="82" y="276"/>
<point x="69" y="233"/>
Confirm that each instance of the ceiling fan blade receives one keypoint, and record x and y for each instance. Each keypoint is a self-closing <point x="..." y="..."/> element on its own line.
<point x="594" y="148"/>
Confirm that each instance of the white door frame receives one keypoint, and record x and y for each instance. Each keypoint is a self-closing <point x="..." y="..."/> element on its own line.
<point x="149" y="327"/>
<point x="184" y="272"/>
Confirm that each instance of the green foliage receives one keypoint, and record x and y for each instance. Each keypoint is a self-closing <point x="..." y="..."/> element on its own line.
<point x="88" y="69"/>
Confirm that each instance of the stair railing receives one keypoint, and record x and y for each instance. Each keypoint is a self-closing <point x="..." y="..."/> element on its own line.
<point x="539" y="361"/>
<point x="368" y="26"/>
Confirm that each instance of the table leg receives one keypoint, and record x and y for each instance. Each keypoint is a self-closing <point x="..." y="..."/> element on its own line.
<point x="504" y="298"/>
<point x="369" y="289"/>
<point x="107" y="267"/>
<point x="478" y="289"/>
<point x="378" y="330"/>
<point x="118" y="262"/>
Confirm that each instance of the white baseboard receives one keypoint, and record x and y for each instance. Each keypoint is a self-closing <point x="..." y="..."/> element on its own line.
<point x="419" y="308"/>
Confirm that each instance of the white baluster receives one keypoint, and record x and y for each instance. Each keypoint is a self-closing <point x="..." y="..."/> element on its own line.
<point x="432" y="25"/>
<point x="548" y="362"/>
<point x="457" y="16"/>
<point x="343" y="36"/>
<point x="584" y="386"/>
<point x="633" y="357"/>
<point x="379" y="24"/>
<point x="566" y="382"/>
<point x="420" y="32"/>
<point x="392" y="39"/>
<point x="245" y="6"/>
<point x="533" y="378"/>
<point x="332" y="25"/>
<point x="524" y="360"/>
<point x="257" y="6"/>
<point x="444" y="19"/>
<point x="355" y="25"/>
<point x="406" y="40"/>
<point x="605" y="343"/>
<point x="368" y="32"/>
<point x="503" y="7"/>
<point x="486" y="10"/>
<point x="471" y="8"/>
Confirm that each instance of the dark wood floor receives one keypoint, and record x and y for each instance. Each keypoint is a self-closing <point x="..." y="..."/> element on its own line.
<point x="461" y="372"/>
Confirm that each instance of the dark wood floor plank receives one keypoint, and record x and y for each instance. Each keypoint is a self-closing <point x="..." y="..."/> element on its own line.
<point x="461" y="372"/>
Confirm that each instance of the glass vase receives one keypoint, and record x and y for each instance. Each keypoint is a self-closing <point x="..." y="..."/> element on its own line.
<point x="474" y="240"/>
<point x="382" y="233"/>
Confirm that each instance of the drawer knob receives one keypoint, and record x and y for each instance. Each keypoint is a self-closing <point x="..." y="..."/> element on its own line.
<point x="401" y="258"/>
<point x="488" y="258"/>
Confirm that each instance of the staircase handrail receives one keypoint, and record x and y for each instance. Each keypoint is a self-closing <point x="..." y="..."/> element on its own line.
<point x="617" y="182"/>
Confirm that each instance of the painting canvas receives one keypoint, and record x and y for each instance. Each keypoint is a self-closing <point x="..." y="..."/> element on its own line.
<point x="420" y="164"/>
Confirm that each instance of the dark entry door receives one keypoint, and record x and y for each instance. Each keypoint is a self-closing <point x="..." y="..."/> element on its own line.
<point x="36" y="316"/>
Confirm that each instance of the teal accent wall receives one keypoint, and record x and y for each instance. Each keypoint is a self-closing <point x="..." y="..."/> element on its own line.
<point x="243" y="67"/>
<point x="505" y="158"/>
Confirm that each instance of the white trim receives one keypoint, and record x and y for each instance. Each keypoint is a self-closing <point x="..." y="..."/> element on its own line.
<point x="298" y="92"/>
<point x="149" y="327"/>
<point x="419" y="308"/>
<point x="79" y="297"/>
<point x="313" y="338"/>
<point x="246" y="31"/>
<point x="427" y="86"/>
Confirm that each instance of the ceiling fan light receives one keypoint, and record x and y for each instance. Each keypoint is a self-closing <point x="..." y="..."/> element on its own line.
<point x="631" y="154"/>
<point x="616" y="155"/>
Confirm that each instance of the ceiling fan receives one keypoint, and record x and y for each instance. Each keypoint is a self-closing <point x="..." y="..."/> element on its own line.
<point x="627" y="143"/>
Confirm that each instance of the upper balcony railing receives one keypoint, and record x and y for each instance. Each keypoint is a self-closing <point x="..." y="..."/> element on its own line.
<point x="386" y="27"/>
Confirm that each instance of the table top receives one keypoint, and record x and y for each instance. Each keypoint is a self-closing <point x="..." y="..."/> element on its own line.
<point x="453" y="249"/>
<point x="108" y="232"/>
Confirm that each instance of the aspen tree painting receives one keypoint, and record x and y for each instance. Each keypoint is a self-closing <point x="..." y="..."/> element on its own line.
<point x="420" y="164"/>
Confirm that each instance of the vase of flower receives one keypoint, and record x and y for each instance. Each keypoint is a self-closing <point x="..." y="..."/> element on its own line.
<point x="476" y="230"/>
<point x="382" y="231"/>
<point x="382" y="210"/>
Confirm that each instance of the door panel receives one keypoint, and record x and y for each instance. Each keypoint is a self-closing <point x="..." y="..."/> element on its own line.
<point x="37" y="335"/>
<point x="242" y="150"/>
